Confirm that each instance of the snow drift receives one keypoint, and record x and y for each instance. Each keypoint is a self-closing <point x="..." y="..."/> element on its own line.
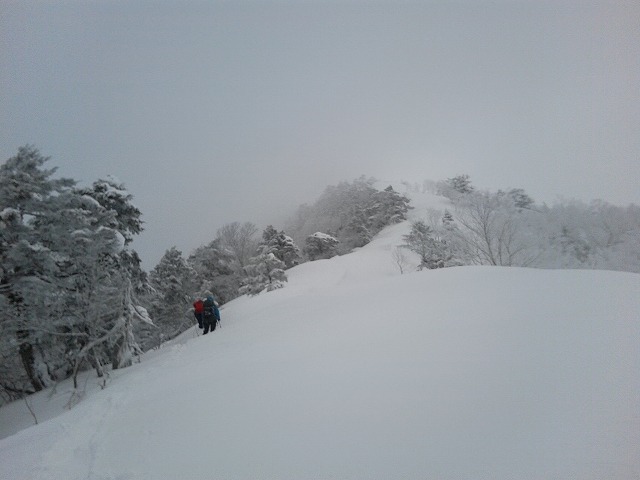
<point x="355" y="371"/>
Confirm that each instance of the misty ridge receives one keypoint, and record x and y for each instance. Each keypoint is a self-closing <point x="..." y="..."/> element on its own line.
<point x="74" y="295"/>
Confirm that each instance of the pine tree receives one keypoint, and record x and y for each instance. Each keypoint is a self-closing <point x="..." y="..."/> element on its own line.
<point x="113" y="196"/>
<point x="27" y="193"/>
<point x="520" y="198"/>
<point x="447" y="219"/>
<point x="389" y="208"/>
<point x="358" y="232"/>
<point x="113" y="291"/>
<point x="461" y="184"/>
<point x="424" y="241"/>
<point x="268" y="235"/>
<point x="175" y="283"/>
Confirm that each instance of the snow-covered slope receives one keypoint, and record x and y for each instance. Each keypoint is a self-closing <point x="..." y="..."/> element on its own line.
<point x="354" y="371"/>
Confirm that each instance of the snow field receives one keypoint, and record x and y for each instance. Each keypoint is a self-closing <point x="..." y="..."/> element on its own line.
<point x="354" y="371"/>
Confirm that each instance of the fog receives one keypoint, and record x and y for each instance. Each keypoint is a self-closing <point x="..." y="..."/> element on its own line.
<point x="213" y="112"/>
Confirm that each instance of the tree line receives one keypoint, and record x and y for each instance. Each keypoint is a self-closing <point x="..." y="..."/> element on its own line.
<point x="508" y="228"/>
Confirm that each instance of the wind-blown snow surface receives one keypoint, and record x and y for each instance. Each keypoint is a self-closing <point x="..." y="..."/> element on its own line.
<point x="353" y="371"/>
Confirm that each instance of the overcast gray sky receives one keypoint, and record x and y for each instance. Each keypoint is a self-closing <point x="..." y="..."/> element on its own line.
<point x="213" y="112"/>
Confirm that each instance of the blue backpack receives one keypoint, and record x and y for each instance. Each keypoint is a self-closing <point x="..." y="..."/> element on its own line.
<point x="209" y="307"/>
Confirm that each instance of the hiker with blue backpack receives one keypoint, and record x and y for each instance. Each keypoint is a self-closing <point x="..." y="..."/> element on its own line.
<point x="211" y="314"/>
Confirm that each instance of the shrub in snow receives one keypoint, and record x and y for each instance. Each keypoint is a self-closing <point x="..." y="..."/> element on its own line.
<point x="320" y="245"/>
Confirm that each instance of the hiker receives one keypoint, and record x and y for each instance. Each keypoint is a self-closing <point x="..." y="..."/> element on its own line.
<point x="211" y="314"/>
<point x="198" y="311"/>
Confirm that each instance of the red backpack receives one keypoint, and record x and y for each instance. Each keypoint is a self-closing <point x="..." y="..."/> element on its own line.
<point x="198" y="306"/>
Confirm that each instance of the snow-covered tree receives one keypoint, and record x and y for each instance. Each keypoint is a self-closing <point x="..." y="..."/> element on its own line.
<point x="424" y="241"/>
<point x="447" y="219"/>
<point x="216" y="270"/>
<point x="455" y="187"/>
<point x="450" y="234"/>
<point x="68" y="280"/>
<point x="508" y="228"/>
<point x="175" y="283"/>
<point x="573" y="234"/>
<point x="353" y="211"/>
<point x="399" y="258"/>
<point x="321" y="245"/>
<point x="28" y="192"/>
<point x="492" y="231"/>
<point x="358" y="231"/>
<point x="341" y="209"/>
<point x="461" y="184"/>
<point x="519" y="198"/>
<point x="113" y="289"/>
<point x="281" y="245"/>
<point x="389" y="207"/>
<point x="239" y="239"/>
<point x="264" y="272"/>
<point x="112" y="195"/>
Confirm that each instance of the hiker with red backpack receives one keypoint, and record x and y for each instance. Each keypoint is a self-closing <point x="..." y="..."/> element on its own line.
<point x="198" y="311"/>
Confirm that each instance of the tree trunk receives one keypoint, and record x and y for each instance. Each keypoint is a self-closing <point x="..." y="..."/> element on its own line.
<point x="96" y="363"/>
<point x="28" y="360"/>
